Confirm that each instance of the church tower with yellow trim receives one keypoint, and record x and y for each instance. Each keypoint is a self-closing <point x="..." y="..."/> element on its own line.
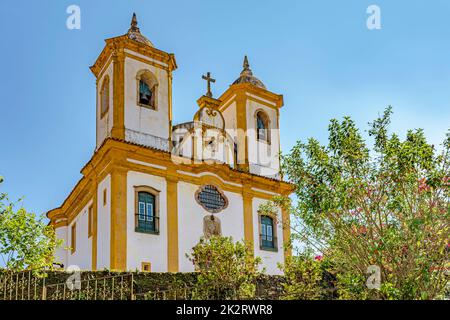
<point x="134" y="90"/>
<point x="153" y="189"/>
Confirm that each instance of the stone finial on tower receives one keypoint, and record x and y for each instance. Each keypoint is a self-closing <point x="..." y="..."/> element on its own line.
<point x="135" y="34"/>
<point x="134" y="23"/>
<point x="246" y="64"/>
<point x="247" y="76"/>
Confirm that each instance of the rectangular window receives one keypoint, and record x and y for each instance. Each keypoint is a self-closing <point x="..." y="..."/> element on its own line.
<point x="146" y="206"/>
<point x="73" y="238"/>
<point x="90" y="221"/>
<point x="146" y="267"/>
<point x="267" y="236"/>
<point x="104" y="197"/>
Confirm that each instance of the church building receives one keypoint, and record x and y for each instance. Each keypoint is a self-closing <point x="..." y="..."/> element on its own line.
<point x="152" y="188"/>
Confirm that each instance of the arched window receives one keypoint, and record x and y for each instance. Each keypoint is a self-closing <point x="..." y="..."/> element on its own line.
<point x="146" y="215"/>
<point x="268" y="240"/>
<point x="262" y="127"/>
<point x="104" y="97"/>
<point x="147" y="89"/>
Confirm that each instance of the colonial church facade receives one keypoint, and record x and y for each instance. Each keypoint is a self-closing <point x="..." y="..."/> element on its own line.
<point x="153" y="189"/>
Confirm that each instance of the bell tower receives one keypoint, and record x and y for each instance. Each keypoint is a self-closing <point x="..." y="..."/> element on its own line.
<point x="134" y="90"/>
<point x="251" y="115"/>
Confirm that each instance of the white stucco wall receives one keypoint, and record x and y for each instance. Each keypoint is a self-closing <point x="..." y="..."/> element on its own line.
<point x="143" y="247"/>
<point x="190" y="221"/>
<point x="270" y="259"/>
<point x="145" y="120"/>
<point x="103" y="224"/>
<point x="82" y="257"/>
<point x="61" y="253"/>
<point x="229" y="114"/>
<point x="105" y="124"/>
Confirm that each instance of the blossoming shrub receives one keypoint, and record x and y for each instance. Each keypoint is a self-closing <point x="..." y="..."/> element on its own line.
<point x="306" y="278"/>
<point x="227" y="269"/>
<point x="385" y="207"/>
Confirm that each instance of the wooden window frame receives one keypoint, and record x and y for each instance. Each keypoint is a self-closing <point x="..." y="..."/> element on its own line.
<point x="153" y="192"/>
<point x="73" y="238"/>
<point x="90" y="220"/>
<point x="105" y="86"/>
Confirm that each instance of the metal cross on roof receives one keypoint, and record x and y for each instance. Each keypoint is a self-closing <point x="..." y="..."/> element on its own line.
<point x="208" y="79"/>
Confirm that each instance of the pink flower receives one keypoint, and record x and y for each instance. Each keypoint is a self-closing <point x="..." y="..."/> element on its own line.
<point x="318" y="258"/>
<point x="423" y="186"/>
<point x="362" y="230"/>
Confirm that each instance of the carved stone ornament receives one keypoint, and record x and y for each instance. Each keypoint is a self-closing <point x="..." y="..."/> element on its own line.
<point x="211" y="226"/>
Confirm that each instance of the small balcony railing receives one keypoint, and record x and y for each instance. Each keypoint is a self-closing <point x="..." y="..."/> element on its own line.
<point x="147" y="224"/>
<point x="268" y="243"/>
<point x="146" y="139"/>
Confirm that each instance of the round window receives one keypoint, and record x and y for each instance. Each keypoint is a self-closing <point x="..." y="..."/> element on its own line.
<point x="211" y="199"/>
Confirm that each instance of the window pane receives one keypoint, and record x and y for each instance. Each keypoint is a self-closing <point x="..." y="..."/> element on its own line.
<point x="263" y="230"/>
<point x="269" y="233"/>
<point x="149" y="212"/>
<point x="141" y="211"/>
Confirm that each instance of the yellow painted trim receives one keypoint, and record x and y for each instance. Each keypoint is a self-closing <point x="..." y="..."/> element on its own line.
<point x="169" y="93"/>
<point x="146" y="61"/>
<point x="94" y="229"/>
<point x="90" y="220"/>
<point x="244" y="88"/>
<point x="172" y="225"/>
<point x="248" y="220"/>
<point x="123" y="42"/>
<point x="105" y="86"/>
<point x="59" y="224"/>
<point x="261" y="102"/>
<point x="107" y="158"/>
<point x="118" y="244"/>
<point x="241" y="123"/>
<point x="73" y="238"/>
<point x="105" y="68"/>
<point x="118" y="129"/>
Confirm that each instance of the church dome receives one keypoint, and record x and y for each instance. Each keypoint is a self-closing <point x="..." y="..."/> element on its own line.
<point x="135" y="34"/>
<point x="248" y="77"/>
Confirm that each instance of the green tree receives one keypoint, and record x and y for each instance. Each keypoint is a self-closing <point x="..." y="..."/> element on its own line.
<point x="26" y="242"/>
<point x="226" y="269"/>
<point x="387" y="206"/>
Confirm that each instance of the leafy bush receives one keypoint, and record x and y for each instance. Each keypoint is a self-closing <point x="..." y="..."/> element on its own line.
<point x="303" y="278"/>
<point x="26" y="242"/>
<point x="227" y="269"/>
<point x="386" y="207"/>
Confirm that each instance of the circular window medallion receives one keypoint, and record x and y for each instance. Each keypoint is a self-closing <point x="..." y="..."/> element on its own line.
<point x="211" y="199"/>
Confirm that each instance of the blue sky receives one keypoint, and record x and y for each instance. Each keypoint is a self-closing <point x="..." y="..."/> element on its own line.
<point x="318" y="54"/>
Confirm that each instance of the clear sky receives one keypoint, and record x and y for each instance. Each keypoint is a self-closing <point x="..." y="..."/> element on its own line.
<point x="318" y="53"/>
